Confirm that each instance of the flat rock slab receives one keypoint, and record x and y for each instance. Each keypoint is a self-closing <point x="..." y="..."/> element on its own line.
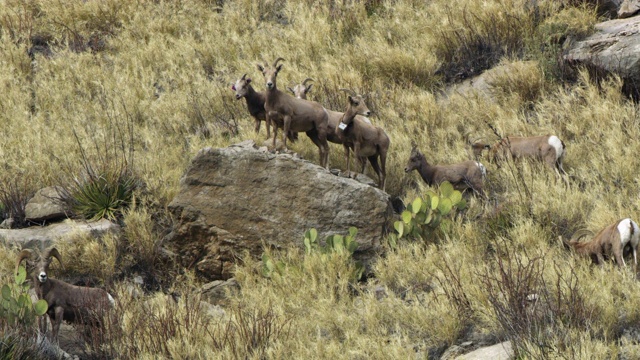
<point x="42" y="237"/>
<point x="502" y="351"/>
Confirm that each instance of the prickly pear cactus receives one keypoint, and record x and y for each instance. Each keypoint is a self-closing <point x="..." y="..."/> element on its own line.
<point x="424" y="217"/>
<point x="17" y="308"/>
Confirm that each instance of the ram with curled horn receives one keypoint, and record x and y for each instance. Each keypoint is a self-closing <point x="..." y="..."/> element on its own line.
<point x="365" y="139"/>
<point x="609" y="242"/>
<point x="300" y="90"/>
<point x="75" y="304"/>
<point x="292" y="114"/>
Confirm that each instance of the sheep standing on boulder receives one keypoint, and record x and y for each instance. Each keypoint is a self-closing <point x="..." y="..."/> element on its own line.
<point x="297" y="115"/>
<point x="255" y="104"/>
<point x="76" y="304"/>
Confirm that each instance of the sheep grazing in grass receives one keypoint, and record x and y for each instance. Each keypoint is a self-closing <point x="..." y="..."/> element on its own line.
<point x="465" y="175"/>
<point x="610" y="241"/>
<point x="76" y="304"/>
<point x="549" y="149"/>
<point x="297" y="115"/>
<point x="366" y="140"/>
<point x="255" y="104"/>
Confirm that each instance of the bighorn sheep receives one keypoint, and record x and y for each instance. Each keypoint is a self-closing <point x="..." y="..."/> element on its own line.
<point x="465" y="175"/>
<point x="549" y="149"/>
<point x="300" y="91"/>
<point x="255" y="104"/>
<point x="609" y="241"/>
<point x="298" y="115"/>
<point x="365" y="139"/>
<point x="72" y="303"/>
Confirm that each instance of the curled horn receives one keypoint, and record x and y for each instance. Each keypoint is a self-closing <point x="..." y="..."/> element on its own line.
<point x="349" y="91"/>
<point x="305" y="81"/>
<point x="580" y="234"/>
<point x="275" y="63"/>
<point x="53" y="252"/>
<point x="26" y="253"/>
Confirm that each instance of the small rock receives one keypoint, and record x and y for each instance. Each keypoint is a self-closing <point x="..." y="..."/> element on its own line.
<point x="7" y="224"/>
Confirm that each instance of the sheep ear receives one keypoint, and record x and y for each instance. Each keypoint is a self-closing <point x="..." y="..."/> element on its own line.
<point x="279" y="68"/>
<point x="308" y="88"/>
<point x="290" y="89"/>
<point x="248" y="81"/>
<point x="260" y="68"/>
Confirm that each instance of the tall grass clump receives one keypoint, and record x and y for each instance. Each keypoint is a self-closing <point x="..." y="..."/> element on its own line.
<point x="107" y="181"/>
<point x="474" y="35"/>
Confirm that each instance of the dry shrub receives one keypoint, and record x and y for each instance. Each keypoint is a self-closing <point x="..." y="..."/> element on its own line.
<point x="90" y="260"/>
<point x="518" y="82"/>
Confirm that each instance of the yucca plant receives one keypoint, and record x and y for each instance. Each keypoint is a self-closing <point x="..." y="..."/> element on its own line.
<point x="104" y="195"/>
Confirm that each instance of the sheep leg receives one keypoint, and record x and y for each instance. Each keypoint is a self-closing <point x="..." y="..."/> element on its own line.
<point x="373" y="160"/>
<point x="285" y="131"/>
<point x="346" y="159"/>
<point x="599" y="258"/>
<point x="275" y="130"/>
<point x="321" y="132"/>
<point x="42" y="324"/>
<point x="617" y="252"/>
<point x="55" y="323"/>
<point x="257" y="127"/>
<point x="356" y="154"/>
<point x="383" y="168"/>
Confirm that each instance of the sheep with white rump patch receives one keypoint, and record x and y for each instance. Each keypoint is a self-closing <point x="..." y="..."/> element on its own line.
<point x="609" y="241"/>
<point x="549" y="149"/>
<point x="76" y="304"/>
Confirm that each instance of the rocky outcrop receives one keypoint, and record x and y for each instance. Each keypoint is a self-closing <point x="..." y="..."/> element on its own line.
<point x="45" y="205"/>
<point x="237" y="199"/>
<point x="44" y="236"/>
<point x="613" y="49"/>
<point x="628" y="8"/>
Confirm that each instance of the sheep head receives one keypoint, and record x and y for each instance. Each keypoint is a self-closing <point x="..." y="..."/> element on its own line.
<point x="357" y="106"/>
<point x="270" y="73"/>
<point x="415" y="159"/>
<point x="300" y="91"/>
<point x="42" y="265"/>
<point x="478" y="148"/>
<point x="241" y="87"/>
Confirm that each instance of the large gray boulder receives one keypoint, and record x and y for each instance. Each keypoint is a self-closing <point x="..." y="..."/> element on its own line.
<point x="628" y="8"/>
<point x="614" y="48"/>
<point x="237" y="199"/>
<point x="45" y="205"/>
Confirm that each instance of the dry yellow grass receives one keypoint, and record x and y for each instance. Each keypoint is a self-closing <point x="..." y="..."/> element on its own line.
<point x="162" y="76"/>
